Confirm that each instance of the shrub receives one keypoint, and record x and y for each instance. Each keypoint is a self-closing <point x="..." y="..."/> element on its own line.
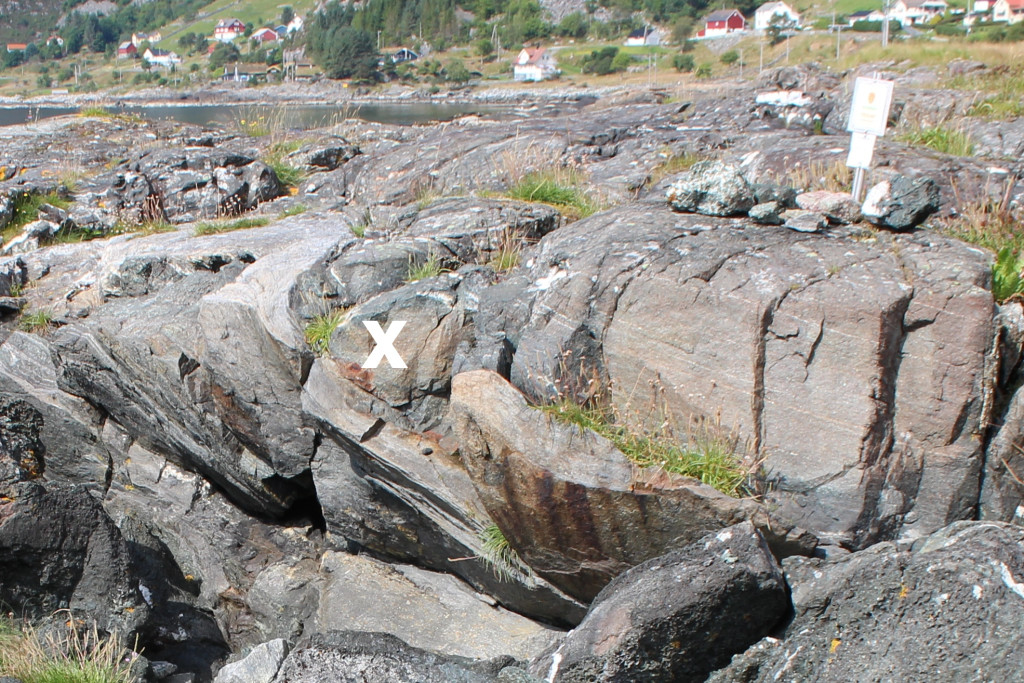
<point x="65" y="655"/>
<point x="683" y="62"/>
<point x="730" y="57"/>
<point x="429" y="268"/>
<point x="38" y="321"/>
<point x="703" y="70"/>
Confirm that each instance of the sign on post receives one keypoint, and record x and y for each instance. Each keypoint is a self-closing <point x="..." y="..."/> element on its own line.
<point x="869" y="116"/>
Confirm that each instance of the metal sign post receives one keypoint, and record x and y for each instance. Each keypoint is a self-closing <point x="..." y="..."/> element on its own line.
<point x="869" y="116"/>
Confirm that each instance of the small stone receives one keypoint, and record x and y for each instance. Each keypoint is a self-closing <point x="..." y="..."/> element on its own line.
<point x="901" y="203"/>
<point x="711" y="188"/>
<point x="768" y="213"/>
<point x="259" y="666"/>
<point x="161" y="670"/>
<point x="427" y="451"/>
<point x="804" y="221"/>
<point x="773" y="192"/>
<point x="838" y="207"/>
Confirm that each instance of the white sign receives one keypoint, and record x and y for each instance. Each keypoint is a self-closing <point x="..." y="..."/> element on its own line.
<point x="869" y="113"/>
<point x="862" y="149"/>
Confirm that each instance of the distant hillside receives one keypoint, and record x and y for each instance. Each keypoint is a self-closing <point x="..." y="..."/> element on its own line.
<point x="22" y="21"/>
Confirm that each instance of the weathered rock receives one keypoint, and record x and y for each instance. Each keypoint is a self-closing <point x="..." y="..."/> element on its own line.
<point x="59" y="549"/>
<point x="804" y="221"/>
<point x="324" y="155"/>
<point x="354" y="657"/>
<point x="901" y="203"/>
<point x="839" y="207"/>
<point x="950" y="610"/>
<point x="574" y="508"/>
<point x="783" y="195"/>
<point x="677" y="617"/>
<point x="33" y="234"/>
<point x="711" y="188"/>
<point x="767" y="213"/>
<point x="755" y="325"/>
<point x="259" y="666"/>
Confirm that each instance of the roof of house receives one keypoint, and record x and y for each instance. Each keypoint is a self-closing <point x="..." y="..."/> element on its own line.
<point x="227" y="23"/>
<point x="263" y="32"/>
<point x="157" y="52"/>
<point x="773" y="6"/>
<point x="126" y="45"/>
<point x="861" y="13"/>
<point x="641" y="32"/>
<point x="533" y="55"/>
<point x="722" y="14"/>
<point x="1015" y="5"/>
<point x="17" y="46"/>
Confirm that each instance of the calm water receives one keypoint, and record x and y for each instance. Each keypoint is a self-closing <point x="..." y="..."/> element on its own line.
<point x="294" y="116"/>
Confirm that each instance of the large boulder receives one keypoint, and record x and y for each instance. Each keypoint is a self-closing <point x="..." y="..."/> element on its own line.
<point x="576" y="510"/>
<point x="854" y="367"/>
<point x="951" y="610"/>
<point x="677" y="617"/>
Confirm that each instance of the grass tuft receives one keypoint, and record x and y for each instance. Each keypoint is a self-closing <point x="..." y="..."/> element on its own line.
<point x="427" y="269"/>
<point x="95" y="111"/>
<point x="319" y="330"/>
<point x="296" y="210"/>
<point x="707" y="455"/>
<point x="558" y="187"/>
<point x="214" y="228"/>
<point x="276" y="158"/>
<point x="26" y="209"/>
<point x="66" y="656"/>
<point x="499" y="555"/>
<point x="1007" y="282"/>
<point x="940" y="138"/>
<point x="38" y="321"/>
<point x="672" y="164"/>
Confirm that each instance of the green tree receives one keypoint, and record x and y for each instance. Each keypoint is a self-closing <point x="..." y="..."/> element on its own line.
<point x="350" y="53"/>
<point x="730" y="57"/>
<point x="682" y="29"/>
<point x="287" y="14"/>
<point x="779" y="28"/>
<point x="621" y="61"/>
<point x="573" y="26"/>
<point x="224" y="53"/>
<point x="456" y="72"/>
<point x="484" y="47"/>
<point x="703" y="70"/>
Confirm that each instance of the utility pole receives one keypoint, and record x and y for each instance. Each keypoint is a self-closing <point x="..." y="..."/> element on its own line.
<point x="839" y="35"/>
<point x="378" y="40"/>
<point x="741" y="65"/>
<point x="760" y="64"/>
<point x="885" y="23"/>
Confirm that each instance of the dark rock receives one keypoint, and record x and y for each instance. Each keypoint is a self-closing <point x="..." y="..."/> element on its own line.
<point x="768" y="213"/>
<point x="803" y="221"/>
<point x="901" y="203"/>
<point x="161" y="670"/>
<point x="324" y="155"/>
<point x="664" y="620"/>
<point x="354" y="657"/>
<point x="783" y="195"/>
<point x="59" y="549"/>
<point x="711" y="188"/>
<point x="952" y="610"/>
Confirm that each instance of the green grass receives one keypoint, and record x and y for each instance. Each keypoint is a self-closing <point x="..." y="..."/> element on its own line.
<point x="66" y="655"/>
<point x="1006" y="275"/>
<point x="498" y="554"/>
<point x="296" y="210"/>
<point x="429" y="268"/>
<point x="95" y="111"/>
<point x="38" y="321"/>
<point x="672" y="164"/>
<point x="505" y="259"/>
<point x="707" y="456"/>
<point x="277" y="158"/>
<point x="560" y="188"/>
<point x="319" y="330"/>
<point x="214" y="228"/>
<point x="940" y="138"/>
<point x="26" y="210"/>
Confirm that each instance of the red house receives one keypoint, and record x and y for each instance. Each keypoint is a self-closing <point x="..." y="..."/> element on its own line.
<point x="228" y="29"/>
<point x="127" y="50"/>
<point x="722" y="22"/>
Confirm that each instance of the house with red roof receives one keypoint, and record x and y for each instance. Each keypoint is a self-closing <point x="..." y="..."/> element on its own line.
<point x="534" y="64"/>
<point x="1009" y="11"/>
<point x="227" y="30"/>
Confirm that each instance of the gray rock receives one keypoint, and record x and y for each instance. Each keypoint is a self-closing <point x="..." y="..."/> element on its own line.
<point x="951" y="610"/>
<point x="838" y="207"/>
<point x="259" y="666"/>
<point x="901" y="203"/>
<point x="765" y="192"/>
<point x="427" y="610"/>
<point x="162" y="670"/>
<point x="659" y="310"/>
<point x="600" y="513"/>
<point x="324" y="155"/>
<point x="804" y="221"/>
<point x="354" y="657"/>
<point x="677" y="617"/>
<point x="711" y="188"/>
<point x="767" y="213"/>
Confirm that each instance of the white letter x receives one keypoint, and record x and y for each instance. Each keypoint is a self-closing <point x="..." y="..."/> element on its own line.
<point x="385" y="344"/>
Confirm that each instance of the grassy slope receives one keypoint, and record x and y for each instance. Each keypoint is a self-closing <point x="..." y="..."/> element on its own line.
<point x="258" y="12"/>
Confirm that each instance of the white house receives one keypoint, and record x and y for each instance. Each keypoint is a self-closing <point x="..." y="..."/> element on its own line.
<point x="163" y="58"/>
<point x="295" y="24"/>
<point x="768" y="11"/>
<point x="534" y="64"/>
<point x="1010" y="11"/>
<point x="644" y="36"/>
<point x="911" y="12"/>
